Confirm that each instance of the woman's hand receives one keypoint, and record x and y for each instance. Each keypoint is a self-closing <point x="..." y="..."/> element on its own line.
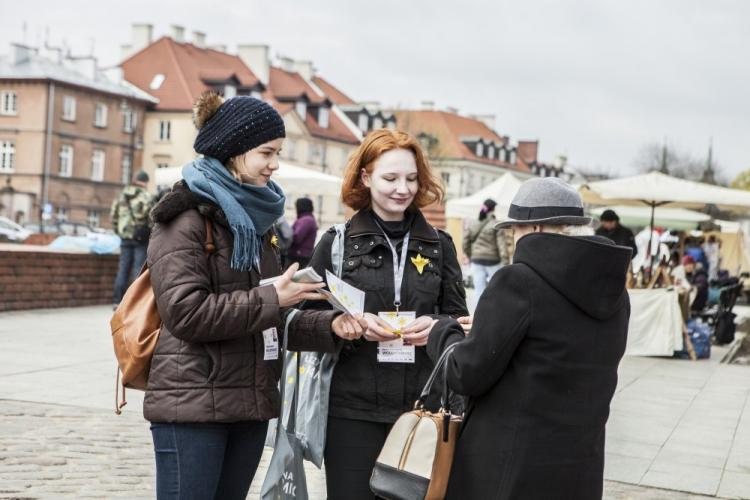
<point x="465" y="322"/>
<point x="377" y="329"/>
<point x="291" y="293"/>
<point x="417" y="331"/>
<point x="349" y="327"/>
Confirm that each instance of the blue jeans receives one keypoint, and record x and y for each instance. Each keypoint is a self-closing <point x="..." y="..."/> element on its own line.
<point x="481" y="275"/>
<point x="206" y="461"/>
<point x="132" y="257"/>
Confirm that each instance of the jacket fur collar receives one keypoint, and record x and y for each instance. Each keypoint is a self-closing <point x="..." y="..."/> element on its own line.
<point x="181" y="199"/>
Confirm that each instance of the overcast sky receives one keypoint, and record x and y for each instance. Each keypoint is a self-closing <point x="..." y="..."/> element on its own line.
<point x="591" y="79"/>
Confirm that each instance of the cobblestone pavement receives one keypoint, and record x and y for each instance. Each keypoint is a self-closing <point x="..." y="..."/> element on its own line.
<point x="59" y="437"/>
<point x="58" y="451"/>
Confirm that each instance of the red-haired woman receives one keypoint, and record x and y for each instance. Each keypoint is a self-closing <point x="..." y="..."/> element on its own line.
<point x="411" y="276"/>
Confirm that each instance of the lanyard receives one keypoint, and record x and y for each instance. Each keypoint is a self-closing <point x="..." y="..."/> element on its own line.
<point x="398" y="268"/>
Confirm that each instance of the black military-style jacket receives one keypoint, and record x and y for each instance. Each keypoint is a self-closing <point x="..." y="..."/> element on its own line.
<point x="363" y="388"/>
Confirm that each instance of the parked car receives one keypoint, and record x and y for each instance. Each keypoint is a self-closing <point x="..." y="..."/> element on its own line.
<point x="10" y="231"/>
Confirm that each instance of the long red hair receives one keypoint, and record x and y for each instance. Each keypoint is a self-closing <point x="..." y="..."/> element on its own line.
<point x="356" y="195"/>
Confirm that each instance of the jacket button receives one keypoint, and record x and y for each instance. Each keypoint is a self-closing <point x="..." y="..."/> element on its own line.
<point x="420" y="247"/>
<point x="380" y="257"/>
<point x="435" y="251"/>
<point x="372" y="243"/>
<point x="356" y="247"/>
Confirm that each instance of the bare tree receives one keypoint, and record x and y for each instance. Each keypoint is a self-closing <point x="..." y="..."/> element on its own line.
<point x="677" y="163"/>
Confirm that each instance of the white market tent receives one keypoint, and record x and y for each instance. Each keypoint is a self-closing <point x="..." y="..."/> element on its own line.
<point x="292" y="179"/>
<point x="671" y="218"/>
<point x="501" y="190"/>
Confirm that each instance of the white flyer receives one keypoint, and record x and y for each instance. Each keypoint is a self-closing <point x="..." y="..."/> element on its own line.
<point x="395" y="351"/>
<point x="270" y="344"/>
<point x="306" y="275"/>
<point x="344" y="296"/>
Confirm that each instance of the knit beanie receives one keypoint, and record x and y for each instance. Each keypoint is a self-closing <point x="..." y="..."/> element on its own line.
<point x="233" y="127"/>
<point x="141" y="176"/>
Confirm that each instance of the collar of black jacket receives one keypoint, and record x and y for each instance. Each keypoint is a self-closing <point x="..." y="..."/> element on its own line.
<point x="363" y="223"/>
<point x="589" y="271"/>
<point x="181" y="199"/>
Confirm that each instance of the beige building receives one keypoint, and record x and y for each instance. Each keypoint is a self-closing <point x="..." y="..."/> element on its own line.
<point x="70" y="137"/>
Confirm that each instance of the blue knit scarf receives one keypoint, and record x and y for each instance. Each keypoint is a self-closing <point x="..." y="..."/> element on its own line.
<point x="250" y="210"/>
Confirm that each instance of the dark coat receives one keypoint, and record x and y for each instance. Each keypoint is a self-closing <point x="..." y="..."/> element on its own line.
<point x="362" y="388"/>
<point x="305" y="230"/>
<point x="620" y="235"/>
<point x="208" y="365"/>
<point x="540" y="368"/>
<point x="699" y="280"/>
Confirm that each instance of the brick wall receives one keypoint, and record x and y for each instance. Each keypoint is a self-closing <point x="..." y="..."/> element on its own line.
<point x="31" y="279"/>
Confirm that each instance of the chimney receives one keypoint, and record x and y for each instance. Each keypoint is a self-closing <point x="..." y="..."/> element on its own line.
<point x="488" y="119"/>
<point x="287" y="63"/>
<point x="256" y="58"/>
<point x="428" y="105"/>
<point x="85" y="65"/>
<point x="218" y="47"/>
<point x="22" y="53"/>
<point x="178" y="33"/>
<point x="304" y="68"/>
<point x="199" y="39"/>
<point x="141" y="35"/>
<point x="561" y="161"/>
<point x="451" y="109"/>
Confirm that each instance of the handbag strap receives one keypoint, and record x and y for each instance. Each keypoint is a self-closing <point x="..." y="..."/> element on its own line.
<point x="441" y="363"/>
<point x="291" y="423"/>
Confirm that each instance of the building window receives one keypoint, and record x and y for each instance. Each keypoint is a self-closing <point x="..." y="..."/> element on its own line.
<point x="98" y="159"/>
<point x="162" y="165"/>
<point x="100" y="115"/>
<point x="165" y="130"/>
<point x="61" y="214"/>
<point x="256" y="94"/>
<point x="446" y="176"/>
<point x="127" y="168"/>
<point x="291" y="149"/>
<point x="377" y="123"/>
<point x="8" y="103"/>
<point x="363" y="122"/>
<point x="93" y="217"/>
<point x="491" y="153"/>
<point x="480" y="149"/>
<point x="7" y="156"/>
<point x="323" y="117"/>
<point x="69" y="108"/>
<point x="229" y="91"/>
<point x="128" y="121"/>
<point x="66" y="160"/>
<point x="391" y="125"/>
<point x="156" y="81"/>
<point x="314" y="154"/>
<point x="301" y="108"/>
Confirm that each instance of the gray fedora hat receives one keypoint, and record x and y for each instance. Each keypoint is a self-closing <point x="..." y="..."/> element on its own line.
<point x="547" y="200"/>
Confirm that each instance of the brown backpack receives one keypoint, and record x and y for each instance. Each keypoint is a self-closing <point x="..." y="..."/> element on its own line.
<point x="135" y="327"/>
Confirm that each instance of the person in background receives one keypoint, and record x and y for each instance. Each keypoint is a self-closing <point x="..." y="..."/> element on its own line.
<point x="611" y="228"/>
<point x="540" y="364"/>
<point x="305" y="230"/>
<point x="694" y="248"/>
<point x="698" y="279"/>
<point x="131" y="223"/>
<point x="284" y="236"/>
<point x="712" y="250"/>
<point x="485" y="247"/>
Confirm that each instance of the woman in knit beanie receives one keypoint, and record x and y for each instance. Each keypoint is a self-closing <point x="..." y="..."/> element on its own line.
<point x="212" y="385"/>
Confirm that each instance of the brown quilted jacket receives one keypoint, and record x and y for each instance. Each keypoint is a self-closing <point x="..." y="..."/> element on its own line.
<point x="208" y="365"/>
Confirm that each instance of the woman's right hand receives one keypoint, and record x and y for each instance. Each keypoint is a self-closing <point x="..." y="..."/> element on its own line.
<point x="377" y="329"/>
<point x="291" y="293"/>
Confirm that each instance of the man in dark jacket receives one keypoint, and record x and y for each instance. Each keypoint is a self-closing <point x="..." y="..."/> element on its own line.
<point x="611" y="228"/>
<point x="540" y="363"/>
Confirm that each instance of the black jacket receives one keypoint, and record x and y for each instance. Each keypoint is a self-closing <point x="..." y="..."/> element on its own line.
<point x="699" y="280"/>
<point x="362" y="388"/>
<point x="540" y="368"/>
<point x="621" y="235"/>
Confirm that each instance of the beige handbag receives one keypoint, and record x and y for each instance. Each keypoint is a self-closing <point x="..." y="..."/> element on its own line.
<point x="416" y="459"/>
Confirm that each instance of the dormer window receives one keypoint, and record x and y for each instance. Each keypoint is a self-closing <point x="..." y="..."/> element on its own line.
<point x="323" y="117"/>
<point x="301" y="108"/>
<point x="363" y="122"/>
<point x="229" y="91"/>
<point x="377" y="123"/>
<point x="391" y="125"/>
<point x="256" y="94"/>
<point x="480" y="149"/>
<point x="491" y="153"/>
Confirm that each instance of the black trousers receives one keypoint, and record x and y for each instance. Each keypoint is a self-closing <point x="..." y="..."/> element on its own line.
<point x="352" y="446"/>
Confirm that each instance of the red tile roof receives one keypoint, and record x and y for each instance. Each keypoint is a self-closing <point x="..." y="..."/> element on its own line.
<point x="287" y="84"/>
<point x="185" y="67"/>
<point x="448" y="128"/>
<point x="334" y="94"/>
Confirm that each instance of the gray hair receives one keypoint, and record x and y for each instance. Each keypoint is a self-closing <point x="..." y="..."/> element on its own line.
<point x="570" y="229"/>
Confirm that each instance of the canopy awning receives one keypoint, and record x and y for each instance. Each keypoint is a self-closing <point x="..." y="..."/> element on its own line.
<point x="670" y="218"/>
<point x="502" y="191"/>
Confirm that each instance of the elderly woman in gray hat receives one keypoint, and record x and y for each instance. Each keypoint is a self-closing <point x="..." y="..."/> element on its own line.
<point x="540" y="364"/>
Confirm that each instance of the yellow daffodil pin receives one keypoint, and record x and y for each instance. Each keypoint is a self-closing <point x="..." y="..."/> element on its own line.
<point x="419" y="262"/>
<point x="275" y="241"/>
